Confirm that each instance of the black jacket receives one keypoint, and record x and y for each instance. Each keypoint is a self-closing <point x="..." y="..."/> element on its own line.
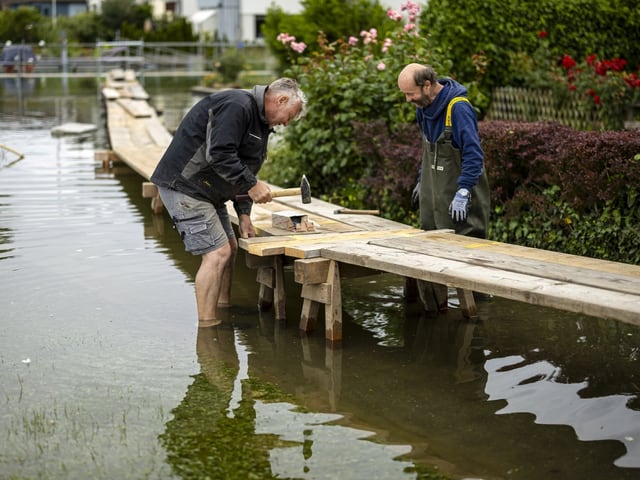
<point x="218" y="148"/>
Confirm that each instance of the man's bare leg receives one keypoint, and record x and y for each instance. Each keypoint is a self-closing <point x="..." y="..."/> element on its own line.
<point x="224" y="297"/>
<point x="208" y="284"/>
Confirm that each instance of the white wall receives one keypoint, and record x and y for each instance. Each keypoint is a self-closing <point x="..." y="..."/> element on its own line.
<point x="248" y="10"/>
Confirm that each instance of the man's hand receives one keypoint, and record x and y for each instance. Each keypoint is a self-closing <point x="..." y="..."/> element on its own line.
<point x="245" y="226"/>
<point x="459" y="206"/>
<point x="260" y="193"/>
<point x="415" y="197"/>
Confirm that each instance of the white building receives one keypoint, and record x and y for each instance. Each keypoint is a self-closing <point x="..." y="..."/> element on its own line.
<point x="234" y="20"/>
<point x="240" y="20"/>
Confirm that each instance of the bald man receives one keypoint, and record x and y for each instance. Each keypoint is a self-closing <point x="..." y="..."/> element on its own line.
<point x="452" y="190"/>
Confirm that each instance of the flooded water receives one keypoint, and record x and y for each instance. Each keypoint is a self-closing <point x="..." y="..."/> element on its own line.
<point x="104" y="373"/>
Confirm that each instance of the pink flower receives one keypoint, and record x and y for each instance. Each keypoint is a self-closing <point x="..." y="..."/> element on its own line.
<point x="285" y="38"/>
<point x="353" y="41"/>
<point x="381" y="66"/>
<point x="369" y="36"/>
<point x="386" y="44"/>
<point x="298" y="46"/>
<point x="394" y="15"/>
<point x="412" y="8"/>
<point x="409" y="26"/>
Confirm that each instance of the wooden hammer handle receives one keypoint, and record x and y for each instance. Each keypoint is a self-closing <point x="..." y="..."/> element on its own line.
<point x="285" y="192"/>
<point x="356" y="212"/>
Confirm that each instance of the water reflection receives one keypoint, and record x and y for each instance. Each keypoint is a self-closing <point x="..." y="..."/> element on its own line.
<point x="534" y="388"/>
<point x="202" y="440"/>
<point x="226" y="427"/>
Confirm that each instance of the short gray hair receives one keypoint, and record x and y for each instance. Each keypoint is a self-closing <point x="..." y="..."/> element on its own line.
<point x="291" y="88"/>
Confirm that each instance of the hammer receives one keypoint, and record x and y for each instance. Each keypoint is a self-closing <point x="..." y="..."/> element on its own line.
<point x="304" y="190"/>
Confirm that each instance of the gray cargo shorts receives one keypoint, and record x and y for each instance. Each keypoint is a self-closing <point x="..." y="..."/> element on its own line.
<point x="202" y="227"/>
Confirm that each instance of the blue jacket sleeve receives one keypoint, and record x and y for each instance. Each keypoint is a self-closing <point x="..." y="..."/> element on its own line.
<point x="466" y="138"/>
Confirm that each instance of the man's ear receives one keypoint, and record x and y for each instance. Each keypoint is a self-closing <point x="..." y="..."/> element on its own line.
<point x="283" y="100"/>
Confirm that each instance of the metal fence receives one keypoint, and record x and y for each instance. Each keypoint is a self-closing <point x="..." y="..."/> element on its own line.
<point x="529" y="105"/>
<point x="193" y="57"/>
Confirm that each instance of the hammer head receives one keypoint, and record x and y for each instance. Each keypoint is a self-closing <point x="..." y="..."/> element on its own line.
<point x="305" y="190"/>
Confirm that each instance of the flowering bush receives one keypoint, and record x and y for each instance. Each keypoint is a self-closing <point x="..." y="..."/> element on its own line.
<point x="348" y="80"/>
<point x="604" y="86"/>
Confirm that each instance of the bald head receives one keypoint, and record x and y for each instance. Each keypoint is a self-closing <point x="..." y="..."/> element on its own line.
<point x="419" y="84"/>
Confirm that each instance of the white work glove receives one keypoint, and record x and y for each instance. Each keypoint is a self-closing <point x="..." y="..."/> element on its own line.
<point x="459" y="206"/>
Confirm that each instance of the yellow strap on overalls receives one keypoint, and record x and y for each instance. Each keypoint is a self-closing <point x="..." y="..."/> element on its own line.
<point x="454" y="100"/>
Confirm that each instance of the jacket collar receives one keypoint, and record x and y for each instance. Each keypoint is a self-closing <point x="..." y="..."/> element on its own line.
<point x="258" y="93"/>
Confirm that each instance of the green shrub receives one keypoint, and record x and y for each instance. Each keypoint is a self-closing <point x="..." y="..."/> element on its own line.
<point x="230" y="65"/>
<point x="506" y="33"/>
<point x="556" y="188"/>
<point x="346" y="81"/>
<point x="335" y="19"/>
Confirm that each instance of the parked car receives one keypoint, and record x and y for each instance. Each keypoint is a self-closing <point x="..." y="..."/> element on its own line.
<point x="18" y="58"/>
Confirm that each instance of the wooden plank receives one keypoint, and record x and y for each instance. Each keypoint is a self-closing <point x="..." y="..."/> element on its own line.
<point x="311" y="270"/>
<point x="333" y="310"/>
<point x="539" y="263"/>
<point x="158" y="133"/>
<point x="289" y="244"/>
<point x="534" y="253"/>
<point x="130" y="140"/>
<point x="136" y="91"/>
<point x="149" y="190"/>
<point x="320" y="292"/>
<point x="516" y="286"/>
<point x="110" y="93"/>
<point x="136" y="108"/>
<point x="116" y="74"/>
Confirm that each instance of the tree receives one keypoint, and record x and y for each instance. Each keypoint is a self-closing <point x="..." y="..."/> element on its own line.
<point x="21" y="25"/>
<point x="334" y="18"/>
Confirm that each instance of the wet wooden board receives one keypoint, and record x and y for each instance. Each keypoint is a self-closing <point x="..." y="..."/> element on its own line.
<point x="110" y="93"/>
<point x="136" y="140"/>
<point x="327" y="210"/>
<point x="136" y="108"/>
<point x="470" y="244"/>
<point x="310" y="245"/>
<point x="540" y="263"/>
<point x="532" y="289"/>
<point x="73" y="128"/>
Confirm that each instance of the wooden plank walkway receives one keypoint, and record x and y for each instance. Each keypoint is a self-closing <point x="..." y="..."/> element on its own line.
<point x="567" y="282"/>
<point x="342" y="242"/>
<point x="136" y="135"/>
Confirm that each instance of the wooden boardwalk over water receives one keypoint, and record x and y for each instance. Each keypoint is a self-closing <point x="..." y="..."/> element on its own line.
<point x="345" y="244"/>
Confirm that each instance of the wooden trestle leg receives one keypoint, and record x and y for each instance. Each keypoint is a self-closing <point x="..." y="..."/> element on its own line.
<point x="320" y="279"/>
<point x="270" y="277"/>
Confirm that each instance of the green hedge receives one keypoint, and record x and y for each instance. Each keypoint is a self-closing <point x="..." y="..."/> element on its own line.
<point x="560" y="189"/>
<point x="552" y="187"/>
<point x="499" y="37"/>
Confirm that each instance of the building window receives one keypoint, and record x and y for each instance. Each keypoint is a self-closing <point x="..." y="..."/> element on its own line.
<point x="260" y="19"/>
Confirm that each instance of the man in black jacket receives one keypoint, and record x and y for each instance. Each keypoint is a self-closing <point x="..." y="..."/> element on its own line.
<point x="214" y="156"/>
